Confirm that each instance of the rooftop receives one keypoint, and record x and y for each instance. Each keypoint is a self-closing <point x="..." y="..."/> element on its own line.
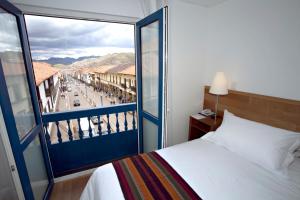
<point x="43" y="71"/>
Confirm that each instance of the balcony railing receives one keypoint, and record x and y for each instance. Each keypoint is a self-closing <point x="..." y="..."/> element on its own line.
<point x="87" y="138"/>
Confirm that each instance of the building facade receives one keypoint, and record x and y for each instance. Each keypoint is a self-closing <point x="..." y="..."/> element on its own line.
<point x="48" y="86"/>
<point x="117" y="81"/>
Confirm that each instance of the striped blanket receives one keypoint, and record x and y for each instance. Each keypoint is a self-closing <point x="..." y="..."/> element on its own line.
<point x="149" y="176"/>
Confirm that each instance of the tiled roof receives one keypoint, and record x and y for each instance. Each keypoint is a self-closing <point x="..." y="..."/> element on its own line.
<point x="128" y="69"/>
<point x="43" y="71"/>
<point x="103" y="69"/>
<point x="85" y="70"/>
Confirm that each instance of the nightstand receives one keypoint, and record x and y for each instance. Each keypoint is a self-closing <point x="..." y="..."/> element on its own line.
<point x="199" y="127"/>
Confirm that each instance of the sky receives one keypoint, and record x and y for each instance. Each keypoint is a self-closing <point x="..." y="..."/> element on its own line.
<point x="58" y="37"/>
<point x="9" y="37"/>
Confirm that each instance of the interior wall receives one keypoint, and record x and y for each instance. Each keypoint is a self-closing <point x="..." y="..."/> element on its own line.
<point x="257" y="44"/>
<point x="186" y="57"/>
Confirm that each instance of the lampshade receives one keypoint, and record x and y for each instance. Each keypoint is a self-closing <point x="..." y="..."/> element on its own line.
<point x="219" y="84"/>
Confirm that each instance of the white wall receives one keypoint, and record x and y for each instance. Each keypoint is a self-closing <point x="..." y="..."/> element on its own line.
<point x="43" y="95"/>
<point x="55" y="79"/>
<point x="257" y="44"/>
<point x="187" y="35"/>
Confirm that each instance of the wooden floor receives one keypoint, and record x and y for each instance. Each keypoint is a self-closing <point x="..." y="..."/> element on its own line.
<point x="70" y="189"/>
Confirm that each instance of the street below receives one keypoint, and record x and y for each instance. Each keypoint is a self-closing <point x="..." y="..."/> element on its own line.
<point x="87" y="97"/>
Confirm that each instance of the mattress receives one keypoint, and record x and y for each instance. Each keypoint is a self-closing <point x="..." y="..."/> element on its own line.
<point x="212" y="171"/>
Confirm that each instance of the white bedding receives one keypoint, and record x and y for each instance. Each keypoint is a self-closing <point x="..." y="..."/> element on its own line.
<point x="212" y="171"/>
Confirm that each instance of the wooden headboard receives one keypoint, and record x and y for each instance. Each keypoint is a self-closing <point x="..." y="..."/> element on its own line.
<point x="277" y="112"/>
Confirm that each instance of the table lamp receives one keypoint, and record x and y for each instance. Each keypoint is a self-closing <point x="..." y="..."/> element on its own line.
<point x="219" y="87"/>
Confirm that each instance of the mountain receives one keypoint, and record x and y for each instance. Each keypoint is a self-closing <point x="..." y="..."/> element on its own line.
<point x="114" y="60"/>
<point x="109" y="59"/>
<point x="65" y="61"/>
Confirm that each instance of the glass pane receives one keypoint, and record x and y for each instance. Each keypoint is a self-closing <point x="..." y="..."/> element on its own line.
<point x="150" y="135"/>
<point x="36" y="168"/>
<point x="15" y="74"/>
<point x="150" y="67"/>
<point x="7" y="187"/>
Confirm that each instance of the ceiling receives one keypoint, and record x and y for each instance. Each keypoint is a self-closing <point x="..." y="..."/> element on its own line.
<point x="205" y="3"/>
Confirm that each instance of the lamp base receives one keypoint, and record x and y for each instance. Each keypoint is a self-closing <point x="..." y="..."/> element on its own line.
<point x="216" y="108"/>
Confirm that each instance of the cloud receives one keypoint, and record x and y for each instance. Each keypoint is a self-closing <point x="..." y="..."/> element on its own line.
<point x="57" y="37"/>
<point x="9" y="35"/>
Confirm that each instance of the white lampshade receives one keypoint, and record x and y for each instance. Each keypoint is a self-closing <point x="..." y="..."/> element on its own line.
<point x="219" y="84"/>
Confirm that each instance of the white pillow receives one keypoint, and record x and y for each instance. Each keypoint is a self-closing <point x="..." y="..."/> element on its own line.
<point x="269" y="147"/>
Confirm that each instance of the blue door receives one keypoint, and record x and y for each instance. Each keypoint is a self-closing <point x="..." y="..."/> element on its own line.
<point x="150" y="35"/>
<point x="19" y="105"/>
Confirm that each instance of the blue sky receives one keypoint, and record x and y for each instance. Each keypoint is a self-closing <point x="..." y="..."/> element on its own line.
<point x="58" y="37"/>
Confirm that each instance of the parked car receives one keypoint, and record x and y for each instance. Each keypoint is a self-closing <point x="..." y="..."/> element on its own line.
<point x="75" y="93"/>
<point x="76" y="102"/>
<point x="69" y="89"/>
<point x="94" y="120"/>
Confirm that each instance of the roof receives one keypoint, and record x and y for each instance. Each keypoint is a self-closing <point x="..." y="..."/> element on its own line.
<point x="43" y="71"/>
<point x="103" y="69"/>
<point x="128" y="69"/>
<point x="85" y="70"/>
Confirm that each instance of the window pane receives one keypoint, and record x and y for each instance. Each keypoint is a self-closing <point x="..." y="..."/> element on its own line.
<point x="15" y="73"/>
<point x="7" y="187"/>
<point x="150" y="67"/>
<point x="36" y="168"/>
<point x="150" y="135"/>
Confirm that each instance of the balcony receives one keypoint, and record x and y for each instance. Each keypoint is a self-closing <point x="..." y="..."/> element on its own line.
<point x="83" y="139"/>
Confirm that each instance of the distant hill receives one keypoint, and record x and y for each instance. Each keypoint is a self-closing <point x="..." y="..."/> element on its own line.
<point x="109" y="59"/>
<point x="66" y="60"/>
<point x="119" y="60"/>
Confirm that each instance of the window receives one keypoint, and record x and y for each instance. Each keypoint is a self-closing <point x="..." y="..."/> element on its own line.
<point x="77" y="53"/>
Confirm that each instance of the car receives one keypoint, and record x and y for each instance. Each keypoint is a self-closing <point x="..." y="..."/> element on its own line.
<point x="75" y="93"/>
<point x="76" y="102"/>
<point x="94" y="120"/>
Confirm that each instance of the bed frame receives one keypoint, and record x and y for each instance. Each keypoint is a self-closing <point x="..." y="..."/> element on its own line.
<point x="277" y="112"/>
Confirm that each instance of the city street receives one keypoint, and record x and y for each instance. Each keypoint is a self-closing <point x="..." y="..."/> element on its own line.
<point x="88" y="98"/>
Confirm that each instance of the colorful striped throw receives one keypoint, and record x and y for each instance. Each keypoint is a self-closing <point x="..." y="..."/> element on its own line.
<point x="149" y="176"/>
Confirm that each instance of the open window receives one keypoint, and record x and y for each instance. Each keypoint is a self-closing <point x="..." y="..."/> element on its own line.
<point x="81" y="63"/>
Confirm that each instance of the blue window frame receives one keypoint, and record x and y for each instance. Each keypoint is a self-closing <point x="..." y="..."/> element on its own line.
<point x="158" y="16"/>
<point x="19" y="146"/>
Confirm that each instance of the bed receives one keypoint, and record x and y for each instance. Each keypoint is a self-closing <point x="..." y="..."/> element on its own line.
<point x="230" y="166"/>
<point x="217" y="174"/>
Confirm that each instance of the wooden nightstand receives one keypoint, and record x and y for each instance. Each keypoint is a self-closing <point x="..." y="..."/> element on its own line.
<point x="199" y="127"/>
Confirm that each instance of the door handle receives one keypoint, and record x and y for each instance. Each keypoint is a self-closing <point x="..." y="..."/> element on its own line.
<point x="13" y="168"/>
